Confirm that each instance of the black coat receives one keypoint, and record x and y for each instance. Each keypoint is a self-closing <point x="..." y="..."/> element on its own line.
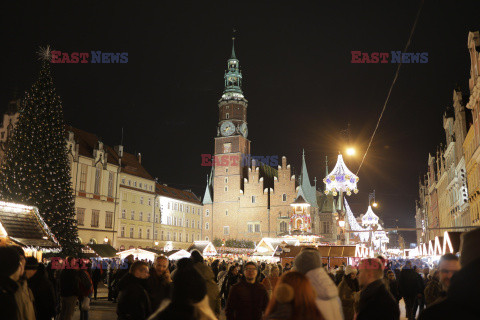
<point x="133" y="301"/>
<point x="377" y="303"/>
<point x="44" y="294"/>
<point x="409" y="283"/>
<point x="246" y="301"/>
<point x="69" y="280"/>
<point x="8" y="305"/>
<point x="158" y="288"/>
<point x="463" y="297"/>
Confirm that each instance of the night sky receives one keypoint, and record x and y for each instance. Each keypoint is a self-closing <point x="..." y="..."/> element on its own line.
<point x="295" y="57"/>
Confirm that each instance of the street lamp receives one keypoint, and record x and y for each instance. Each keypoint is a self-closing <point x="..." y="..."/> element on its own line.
<point x="156" y="243"/>
<point x="350" y="151"/>
<point x="105" y="240"/>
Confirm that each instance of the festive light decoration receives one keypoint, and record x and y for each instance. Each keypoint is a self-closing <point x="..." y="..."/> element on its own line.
<point x="370" y="218"/>
<point x="354" y="224"/>
<point x="341" y="179"/>
<point x="36" y="169"/>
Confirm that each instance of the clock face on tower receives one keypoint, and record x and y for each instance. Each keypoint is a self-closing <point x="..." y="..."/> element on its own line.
<point x="227" y="128"/>
<point x="244" y="129"/>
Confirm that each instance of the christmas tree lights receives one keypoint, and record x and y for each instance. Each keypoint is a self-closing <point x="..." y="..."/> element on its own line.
<point x="36" y="169"/>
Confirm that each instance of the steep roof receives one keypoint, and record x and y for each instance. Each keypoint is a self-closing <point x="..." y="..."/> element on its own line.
<point x="88" y="142"/>
<point x="306" y="189"/>
<point x="183" y="195"/>
<point x="24" y="225"/>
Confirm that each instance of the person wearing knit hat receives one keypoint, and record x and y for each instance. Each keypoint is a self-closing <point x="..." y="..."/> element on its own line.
<point x="309" y="262"/>
<point x="347" y="289"/>
<point x="463" y="296"/>
<point x="10" y="271"/>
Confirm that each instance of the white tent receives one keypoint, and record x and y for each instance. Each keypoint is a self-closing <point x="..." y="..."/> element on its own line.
<point x="179" y="255"/>
<point x="139" y="254"/>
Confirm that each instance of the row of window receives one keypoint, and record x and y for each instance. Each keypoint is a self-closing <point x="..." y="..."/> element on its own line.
<point x="98" y="180"/>
<point x="168" y="236"/>
<point x="140" y="185"/>
<point x="174" y="221"/>
<point x="95" y="218"/>
<point x="183" y="208"/>
<point x="140" y="216"/>
<point x="133" y="198"/>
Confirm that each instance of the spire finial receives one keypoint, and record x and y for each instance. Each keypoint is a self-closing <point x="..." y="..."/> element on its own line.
<point x="233" y="44"/>
<point x="303" y="153"/>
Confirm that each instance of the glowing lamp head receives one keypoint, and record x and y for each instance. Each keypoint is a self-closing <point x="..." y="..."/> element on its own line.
<point x="105" y="240"/>
<point x="350" y="151"/>
<point x="156" y="243"/>
<point x="375" y="204"/>
<point x="341" y="223"/>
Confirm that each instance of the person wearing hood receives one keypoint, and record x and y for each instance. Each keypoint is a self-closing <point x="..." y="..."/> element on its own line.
<point x="309" y="263"/>
<point x="10" y="272"/>
<point x="207" y="274"/>
<point x="463" y="295"/>
<point x="133" y="300"/>
<point x="189" y="299"/>
<point x="376" y="302"/>
<point x="293" y="299"/>
<point x="347" y="288"/>
<point x="42" y="289"/>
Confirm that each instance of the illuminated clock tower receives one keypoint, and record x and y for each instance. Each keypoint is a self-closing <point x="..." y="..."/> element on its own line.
<point x="231" y="149"/>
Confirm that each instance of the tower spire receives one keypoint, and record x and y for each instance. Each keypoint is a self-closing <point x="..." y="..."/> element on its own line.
<point x="233" y="48"/>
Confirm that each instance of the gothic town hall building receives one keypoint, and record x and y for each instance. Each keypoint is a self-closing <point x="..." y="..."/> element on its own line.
<point x="249" y="200"/>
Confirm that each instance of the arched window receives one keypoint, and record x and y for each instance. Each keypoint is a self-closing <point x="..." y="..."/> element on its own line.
<point x="284" y="197"/>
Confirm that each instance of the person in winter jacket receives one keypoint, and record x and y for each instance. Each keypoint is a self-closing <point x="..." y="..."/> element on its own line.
<point x="133" y="300"/>
<point x="346" y="290"/>
<point x="433" y="290"/>
<point x="85" y="291"/>
<point x="248" y="299"/>
<point x="271" y="281"/>
<point x="69" y="290"/>
<point x="10" y="272"/>
<point x="24" y="296"/>
<point x="231" y="279"/>
<point x="376" y="302"/>
<point x="463" y="295"/>
<point x="207" y="274"/>
<point x="309" y="262"/>
<point x="393" y="285"/>
<point x="189" y="300"/>
<point x="159" y="284"/>
<point x="42" y="289"/>
<point x="339" y="275"/>
<point x="121" y="272"/>
<point x="293" y="299"/>
<point x="410" y="288"/>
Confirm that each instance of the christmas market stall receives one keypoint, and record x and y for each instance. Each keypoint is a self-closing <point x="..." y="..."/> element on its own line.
<point x="99" y="251"/>
<point x="23" y="226"/>
<point x="177" y="254"/>
<point x="140" y="254"/>
<point x="331" y="255"/>
<point x="206" y="248"/>
<point x="431" y="251"/>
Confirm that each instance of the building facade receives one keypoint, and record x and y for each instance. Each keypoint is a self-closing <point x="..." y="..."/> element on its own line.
<point x="248" y="199"/>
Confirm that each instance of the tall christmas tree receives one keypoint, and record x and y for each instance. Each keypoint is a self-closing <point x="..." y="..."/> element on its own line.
<point x="36" y="169"/>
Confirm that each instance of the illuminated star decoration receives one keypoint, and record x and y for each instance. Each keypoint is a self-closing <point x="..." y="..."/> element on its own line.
<point x="44" y="53"/>
<point x="341" y="179"/>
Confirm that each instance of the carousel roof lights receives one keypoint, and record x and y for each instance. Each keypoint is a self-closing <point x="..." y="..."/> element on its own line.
<point x="370" y="218"/>
<point x="341" y="179"/>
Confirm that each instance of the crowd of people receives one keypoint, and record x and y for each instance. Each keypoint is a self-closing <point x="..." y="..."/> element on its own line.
<point x="194" y="288"/>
